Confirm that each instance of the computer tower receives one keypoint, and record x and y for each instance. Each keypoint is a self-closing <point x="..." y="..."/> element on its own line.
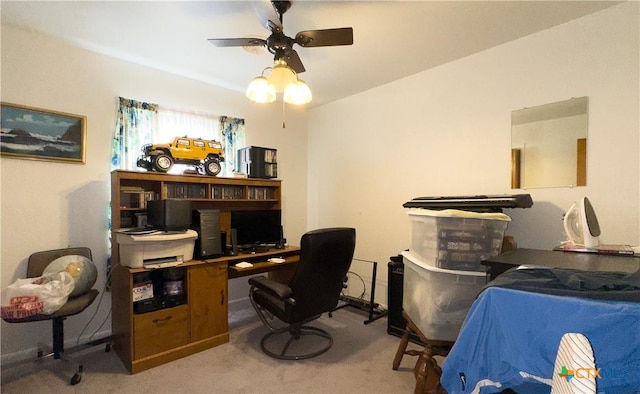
<point x="206" y="222"/>
<point x="257" y="162"/>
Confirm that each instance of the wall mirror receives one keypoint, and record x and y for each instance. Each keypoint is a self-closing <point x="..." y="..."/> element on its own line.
<point x="549" y="145"/>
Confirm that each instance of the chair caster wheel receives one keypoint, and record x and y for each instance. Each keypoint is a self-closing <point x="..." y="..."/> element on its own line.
<point x="76" y="379"/>
<point x="107" y="348"/>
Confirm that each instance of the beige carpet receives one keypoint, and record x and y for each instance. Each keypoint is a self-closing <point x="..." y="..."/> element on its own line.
<point x="359" y="362"/>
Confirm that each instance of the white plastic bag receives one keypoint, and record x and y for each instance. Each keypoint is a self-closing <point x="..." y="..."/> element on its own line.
<point x="32" y="296"/>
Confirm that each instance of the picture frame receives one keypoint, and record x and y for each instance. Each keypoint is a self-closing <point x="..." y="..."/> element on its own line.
<point x="42" y="134"/>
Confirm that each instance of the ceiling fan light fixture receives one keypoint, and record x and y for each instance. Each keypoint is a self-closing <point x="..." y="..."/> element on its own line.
<point x="261" y="91"/>
<point x="280" y="79"/>
<point x="297" y="93"/>
<point x="281" y="76"/>
<point x="284" y="76"/>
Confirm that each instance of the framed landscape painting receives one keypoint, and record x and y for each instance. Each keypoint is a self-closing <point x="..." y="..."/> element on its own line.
<point x="40" y="134"/>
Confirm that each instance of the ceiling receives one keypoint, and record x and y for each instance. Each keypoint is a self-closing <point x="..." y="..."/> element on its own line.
<point x="392" y="39"/>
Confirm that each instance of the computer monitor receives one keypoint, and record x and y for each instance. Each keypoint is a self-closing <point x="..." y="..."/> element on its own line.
<point x="257" y="228"/>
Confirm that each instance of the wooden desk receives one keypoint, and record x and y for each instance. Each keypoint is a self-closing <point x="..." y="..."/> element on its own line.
<point x="496" y="265"/>
<point x="146" y="340"/>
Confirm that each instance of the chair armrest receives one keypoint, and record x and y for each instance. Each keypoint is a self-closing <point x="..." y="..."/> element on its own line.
<point x="278" y="289"/>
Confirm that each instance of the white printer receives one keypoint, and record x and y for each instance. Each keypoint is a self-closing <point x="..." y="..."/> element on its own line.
<point x="157" y="249"/>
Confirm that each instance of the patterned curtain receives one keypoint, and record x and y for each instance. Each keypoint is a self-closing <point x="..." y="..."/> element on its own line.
<point x="232" y="140"/>
<point x="136" y="125"/>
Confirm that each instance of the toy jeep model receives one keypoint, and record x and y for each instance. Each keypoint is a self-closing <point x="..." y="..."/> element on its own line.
<point x="205" y="155"/>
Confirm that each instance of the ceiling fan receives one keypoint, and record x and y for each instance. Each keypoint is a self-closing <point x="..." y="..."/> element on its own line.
<point x="280" y="45"/>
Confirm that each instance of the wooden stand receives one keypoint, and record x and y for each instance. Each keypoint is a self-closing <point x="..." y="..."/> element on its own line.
<point x="427" y="371"/>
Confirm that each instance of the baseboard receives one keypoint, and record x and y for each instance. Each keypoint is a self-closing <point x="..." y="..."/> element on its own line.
<point x="241" y="312"/>
<point x="69" y="345"/>
<point x="19" y="356"/>
<point x="239" y="304"/>
<point x="381" y="286"/>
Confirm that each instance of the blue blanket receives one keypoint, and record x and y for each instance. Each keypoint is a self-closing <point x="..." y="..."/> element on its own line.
<point x="510" y="339"/>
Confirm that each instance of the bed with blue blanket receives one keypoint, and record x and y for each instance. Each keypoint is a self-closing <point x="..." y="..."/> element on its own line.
<point x="510" y="336"/>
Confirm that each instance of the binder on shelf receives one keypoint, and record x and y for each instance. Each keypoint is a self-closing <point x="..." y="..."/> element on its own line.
<point x="186" y="190"/>
<point x="260" y="193"/>
<point x="219" y="192"/>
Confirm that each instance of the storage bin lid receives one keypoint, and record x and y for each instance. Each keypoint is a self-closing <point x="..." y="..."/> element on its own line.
<point x="417" y="261"/>
<point x="457" y="213"/>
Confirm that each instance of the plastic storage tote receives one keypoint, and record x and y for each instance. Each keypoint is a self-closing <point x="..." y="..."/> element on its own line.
<point x="437" y="300"/>
<point x="455" y="239"/>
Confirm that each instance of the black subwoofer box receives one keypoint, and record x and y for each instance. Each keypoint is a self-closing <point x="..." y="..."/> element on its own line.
<point x="396" y="324"/>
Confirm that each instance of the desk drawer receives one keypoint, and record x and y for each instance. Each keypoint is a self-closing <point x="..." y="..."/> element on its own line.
<point x="161" y="330"/>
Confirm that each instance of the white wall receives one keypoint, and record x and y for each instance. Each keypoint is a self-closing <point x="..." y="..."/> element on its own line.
<point x="48" y="205"/>
<point x="446" y="132"/>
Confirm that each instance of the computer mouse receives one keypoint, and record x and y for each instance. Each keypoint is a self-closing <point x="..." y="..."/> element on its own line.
<point x="244" y="264"/>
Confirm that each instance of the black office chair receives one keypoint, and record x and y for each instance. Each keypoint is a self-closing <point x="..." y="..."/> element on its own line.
<point x="35" y="267"/>
<point x="325" y="258"/>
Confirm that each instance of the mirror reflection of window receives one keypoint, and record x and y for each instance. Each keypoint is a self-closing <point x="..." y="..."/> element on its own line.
<point x="549" y="145"/>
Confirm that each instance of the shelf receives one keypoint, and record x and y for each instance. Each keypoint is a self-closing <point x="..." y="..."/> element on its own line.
<point x="203" y="191"/>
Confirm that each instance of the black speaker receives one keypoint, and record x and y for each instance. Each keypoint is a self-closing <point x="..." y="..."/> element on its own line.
<point x="396" y="324"/>
<point x="233" y="251"/>
<point x="172" y="214"/>
<point x="207" y="223"/>
<point x="282" y="241"/>
<point x="223" y="242"/>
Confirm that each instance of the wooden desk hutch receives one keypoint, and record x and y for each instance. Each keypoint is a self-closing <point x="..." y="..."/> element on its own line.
<point x="146" y="340"/>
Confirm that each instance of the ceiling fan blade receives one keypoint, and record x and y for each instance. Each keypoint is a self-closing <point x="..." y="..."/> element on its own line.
<point x="238" y="42"/>
<point x="267" y="15"/>
<point x="293" y="61"/>
<point x="325" y="37"/>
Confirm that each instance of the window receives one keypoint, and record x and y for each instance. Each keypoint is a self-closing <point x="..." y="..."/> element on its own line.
<point x="141" y="123"/>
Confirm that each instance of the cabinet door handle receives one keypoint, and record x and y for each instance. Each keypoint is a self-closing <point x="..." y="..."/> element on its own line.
<point x="221" y="297"/>
<point x="158" y="321"/>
